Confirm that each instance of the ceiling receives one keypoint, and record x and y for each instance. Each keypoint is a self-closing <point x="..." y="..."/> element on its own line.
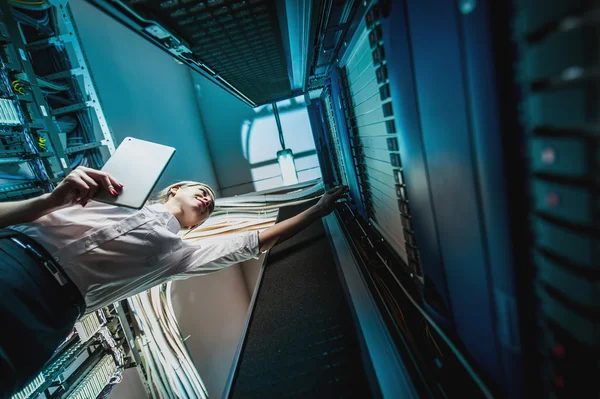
<point x="237" y="41"/>
<point x="261" y="51"/>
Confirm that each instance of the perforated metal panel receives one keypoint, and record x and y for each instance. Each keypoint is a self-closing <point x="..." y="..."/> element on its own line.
<point x="337" y="157"/>
<point x="371" y="123"/>
<point x="238" y="39"/>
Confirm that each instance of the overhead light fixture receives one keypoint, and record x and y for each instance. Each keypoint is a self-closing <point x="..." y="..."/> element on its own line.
<point x="285" y="158"/>
<point x="298" y="22"/>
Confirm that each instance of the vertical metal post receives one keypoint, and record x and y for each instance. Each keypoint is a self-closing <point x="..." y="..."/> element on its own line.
<point x="278" y="121"/>
<point x="72" y="36"/>
<point x="131" y="341"/>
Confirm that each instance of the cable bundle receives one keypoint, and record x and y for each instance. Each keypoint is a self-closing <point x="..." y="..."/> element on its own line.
<point x="43" y="83"/>
<point x="36" y="164"/>
<point x="4" y="81"/>
<point x="170" y="371"/>
<point x="17" y="86"/>
<point x="34" y="5"/>
<point x="65" y="124"/>
<point x="41" y="25"/>
<point x="274" y="198"/>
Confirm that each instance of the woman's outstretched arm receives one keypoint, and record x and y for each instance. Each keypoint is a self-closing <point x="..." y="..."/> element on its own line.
<point x="280" y="232"/>
<point x="78" y="187"/>
<point x="25" y="211"/>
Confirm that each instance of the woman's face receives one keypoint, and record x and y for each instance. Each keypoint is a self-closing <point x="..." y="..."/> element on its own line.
<point x="195" y="203"/>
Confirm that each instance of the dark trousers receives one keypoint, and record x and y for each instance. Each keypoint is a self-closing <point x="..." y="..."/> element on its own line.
<point x="36" y="312"/>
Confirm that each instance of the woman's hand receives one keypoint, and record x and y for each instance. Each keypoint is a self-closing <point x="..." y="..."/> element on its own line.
<point x="326" y="204"/>
<point x="81" y="185"/>
<point x="280" y="232"/>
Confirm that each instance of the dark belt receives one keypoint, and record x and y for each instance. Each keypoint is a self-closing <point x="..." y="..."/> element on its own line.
<point x="42" y="257"/>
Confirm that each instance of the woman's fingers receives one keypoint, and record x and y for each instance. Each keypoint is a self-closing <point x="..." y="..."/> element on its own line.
<point x="80" y="186"/>
<point x="338" y="192"/>
<point x="338" y="189"/>
<point x="115" y="182"/>
<point x="92" y="184"/>
<point x="343" y="190"/>
<point x="107" y="181"/>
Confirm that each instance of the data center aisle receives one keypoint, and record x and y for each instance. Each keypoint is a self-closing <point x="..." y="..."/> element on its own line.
<point x="301" y="340"/>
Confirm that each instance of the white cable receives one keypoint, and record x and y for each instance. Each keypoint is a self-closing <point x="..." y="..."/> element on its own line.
<point x="154" y="381"/>
<point x="283" y="189"/>
<point x="266" y="198"/>
<point x="262" y="205"/>
<point x="145" y="343"/>
<point x="172" y="367"/>
<point x="174" y="330"/>
<point x="156" y="355"/>
<point x="154" y="296"/>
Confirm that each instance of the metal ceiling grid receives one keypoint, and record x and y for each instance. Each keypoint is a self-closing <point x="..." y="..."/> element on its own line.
<point x="238" y="39"/>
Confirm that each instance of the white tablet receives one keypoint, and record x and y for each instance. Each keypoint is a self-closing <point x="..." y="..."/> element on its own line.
<point x="137" y="165"/>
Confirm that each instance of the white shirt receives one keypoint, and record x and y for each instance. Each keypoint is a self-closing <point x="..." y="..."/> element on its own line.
<point x="111" y="252"/>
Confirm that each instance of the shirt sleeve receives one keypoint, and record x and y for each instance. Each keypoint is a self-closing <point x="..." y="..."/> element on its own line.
<point x="206" y="257"/>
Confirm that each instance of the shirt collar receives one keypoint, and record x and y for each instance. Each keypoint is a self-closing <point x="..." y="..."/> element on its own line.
<point x="171" y="221"/>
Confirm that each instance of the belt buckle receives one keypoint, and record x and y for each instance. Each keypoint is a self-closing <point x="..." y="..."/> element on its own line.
<point x="58" y="276"/>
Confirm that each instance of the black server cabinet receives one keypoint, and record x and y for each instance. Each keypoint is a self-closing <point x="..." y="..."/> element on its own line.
<point x="436" y="83"/>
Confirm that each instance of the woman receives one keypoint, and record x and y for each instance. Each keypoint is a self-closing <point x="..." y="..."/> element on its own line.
<point x="59" y="261"/>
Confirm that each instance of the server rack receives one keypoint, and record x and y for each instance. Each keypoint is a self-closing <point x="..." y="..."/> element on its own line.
<point x="87" y="364"/>
<point x="557" y="74"/>
<point x="58" y="122"/>
<point x="518" y="95"/>
<point x="379" y="216"/>
<point x="51" y="121"/>
<point x="391" y="111"/>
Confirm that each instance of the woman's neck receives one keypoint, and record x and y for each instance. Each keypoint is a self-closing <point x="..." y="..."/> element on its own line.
<point x="175" y="210"/>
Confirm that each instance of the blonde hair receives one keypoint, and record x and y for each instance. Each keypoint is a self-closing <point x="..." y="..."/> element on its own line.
<point x="164" y="195"/>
